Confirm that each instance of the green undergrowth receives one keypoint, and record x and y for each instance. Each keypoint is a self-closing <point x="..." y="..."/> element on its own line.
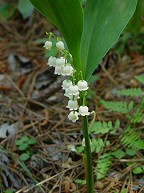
<point x="129" y="141"/>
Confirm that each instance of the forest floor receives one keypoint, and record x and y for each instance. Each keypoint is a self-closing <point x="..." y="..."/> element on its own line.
<point x="33" y="109"/>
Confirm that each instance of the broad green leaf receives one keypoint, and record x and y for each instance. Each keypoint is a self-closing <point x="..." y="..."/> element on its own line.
<point x="67" y="16"/>
<point x="136" y="22"/>
<point x="83" y="2"/>
<point x="25" y="8"/>
<point x="104" y="21"/>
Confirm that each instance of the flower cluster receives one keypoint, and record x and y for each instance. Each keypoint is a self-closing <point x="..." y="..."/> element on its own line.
<point x="73" y="88"/>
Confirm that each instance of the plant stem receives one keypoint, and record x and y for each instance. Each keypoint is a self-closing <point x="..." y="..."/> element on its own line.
<point x="88" y="157"/>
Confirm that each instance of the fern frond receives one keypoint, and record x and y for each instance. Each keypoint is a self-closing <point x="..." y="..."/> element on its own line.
<point x="118" y="106"/>
<point x="131" y="92"/>
<point x="97" y="145"/>
<point x="132" y="139"/>
<point x="140" y="78"/>
<point x="102" y="127"/>
<point x="138" y="116"/>
<point x="103" y="165"/>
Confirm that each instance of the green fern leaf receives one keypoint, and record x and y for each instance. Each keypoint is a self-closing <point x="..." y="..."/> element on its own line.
<point x="130" y="92"/>
<point x="97" y="145"/>
<point x="118" y="106"/>
<point x="103" y="165"/>
<point x="105" y="127"/>
<point x="138" y="116"/>
<point x="132" y="139"/>
<point x="140" y="78"/>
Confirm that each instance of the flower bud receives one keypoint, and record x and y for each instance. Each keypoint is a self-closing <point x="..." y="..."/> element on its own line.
<point x="73" y="90"/>
<point x="83" y="142"/>
<point x="83" y="110"/>
<point x="66" y="84"/>
<point x="67" y="70"/>
<point x="71" y="148"/>
<point x="73" y="116"/>
<point x="60" y="46"/>
<point x="52" y="61"/>
<point x="48" y="45"/>
<point x="60" y="62"/>
<point x="82" y="85"/>
<point x="72" y="105"/>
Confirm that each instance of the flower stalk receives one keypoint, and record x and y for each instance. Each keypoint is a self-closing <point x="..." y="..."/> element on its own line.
<point x="75" y="88"/>
<point x="87" y="156"/>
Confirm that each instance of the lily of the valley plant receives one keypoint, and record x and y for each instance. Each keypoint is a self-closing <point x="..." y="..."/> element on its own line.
<point x="89" y="34"/>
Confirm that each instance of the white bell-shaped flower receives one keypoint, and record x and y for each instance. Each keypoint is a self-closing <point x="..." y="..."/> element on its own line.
<point x="82" y="85"/>
<point x="83" y="110"/>
<point x="48" y="45"/>
<point x="73" y="116"/>
<point x="66" y="84"/>
<point x="72" y="97"/>
<point x="52" y="61"/>
<point x="67" y="94"/>
<point x="76" y="97"/>
<point x="72" y="105"/>
<point x="60" y="62"/>
<point x="73" y="90"/>
<point x="60" y="46"/>
<point x="57" y="70"/>
<point x="67" y="70"/>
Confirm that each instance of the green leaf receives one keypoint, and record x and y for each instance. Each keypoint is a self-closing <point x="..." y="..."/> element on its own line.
<point x="140" y="78"/>
<point x="80" y="181"/>
<point x="24" y="156"/>
<point x="104" y="21"/>
<point x="83" y="2"/>
<point x="23" y="147"/>
<point x="124" y="190"/>
<point x="9" y="191"/>
<point x="118" y="106"/>
<point x="31" y="141"/>
<point x="136" y="22"/>
<point x="117" y="124"/>
<point x="138" y="170"/>
<point x="119" y="154"/>
<point x="130" y="92"/>
<point x="7" y="11"/>
<point x="67" y="16"/>
<point x="22" y="140"/>
<point x="25" y="8"/>
<point x="80" y="149"/>
<point x="103" y="165"/>
<point x="131" y="152"/>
